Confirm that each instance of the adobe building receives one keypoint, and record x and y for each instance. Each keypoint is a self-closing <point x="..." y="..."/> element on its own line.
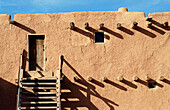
<point x="116" y="60"/>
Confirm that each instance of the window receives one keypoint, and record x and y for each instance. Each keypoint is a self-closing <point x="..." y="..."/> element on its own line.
<point x="152" y="84"/>
<point x="99" y="37"/>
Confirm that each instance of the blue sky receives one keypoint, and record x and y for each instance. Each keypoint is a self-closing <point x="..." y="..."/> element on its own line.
<point x="59" y="6"/>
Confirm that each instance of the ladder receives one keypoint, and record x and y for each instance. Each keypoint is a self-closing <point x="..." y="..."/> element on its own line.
<point x="39" y="93"/>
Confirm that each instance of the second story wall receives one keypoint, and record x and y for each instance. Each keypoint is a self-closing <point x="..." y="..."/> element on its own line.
<point x="126" y="52"/>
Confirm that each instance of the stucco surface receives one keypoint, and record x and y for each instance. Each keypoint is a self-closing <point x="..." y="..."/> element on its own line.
<point x="127" y="52"/>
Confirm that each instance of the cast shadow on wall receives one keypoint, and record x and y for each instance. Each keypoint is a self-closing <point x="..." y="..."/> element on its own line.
<point x="123" y="29"/>
<point x="8" y="94"/>
<point x="144" y="31"/>
<point x="24" y="27"/>
<point x="159" y="25"/>
<point x="24" y="64"/>
<point x="76" y="92"/>
<point x="88" y="34"/>
<point x="151" y="81"/>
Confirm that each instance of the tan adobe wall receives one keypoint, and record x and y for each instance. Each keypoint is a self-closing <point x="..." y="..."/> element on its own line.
<point x="128" y="52"/>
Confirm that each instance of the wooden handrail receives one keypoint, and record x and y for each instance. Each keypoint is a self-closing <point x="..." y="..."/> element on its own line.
<point x="20" y="76"/>
<point x="59" y="72"/>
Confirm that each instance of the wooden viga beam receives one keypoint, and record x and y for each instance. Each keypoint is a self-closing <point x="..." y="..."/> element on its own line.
<point x="165" y="24"/>
<point x="148" y="18"/>
<point x="149" y="25"/>
<point x="134" y="25"/>
<point x="11" y="22"/>
<point x="105" y="79"/>
<point x="101" y="26"/>
<point x="86" y="25"/>
<point x="72" y="25"/>
<point x="119" y="25"/>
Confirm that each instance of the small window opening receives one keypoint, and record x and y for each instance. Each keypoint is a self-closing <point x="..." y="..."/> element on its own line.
<point x="99" y="37"/>
<point x="152" y="84"/>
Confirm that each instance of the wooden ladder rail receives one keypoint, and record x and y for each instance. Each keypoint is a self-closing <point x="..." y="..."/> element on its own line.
<point x="59" y="73"/>
<point x="20" y="76"/>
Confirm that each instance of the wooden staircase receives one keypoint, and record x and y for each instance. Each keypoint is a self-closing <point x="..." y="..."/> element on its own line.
<point x="41" y="93"/>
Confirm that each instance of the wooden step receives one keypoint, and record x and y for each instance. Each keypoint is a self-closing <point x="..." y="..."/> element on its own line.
<point x="40" y="97"/>
<point x="40" y="102"/>
<point x="39" y="87"/>
<point x="35" y="108"/>
<point x="39" y="92"/>
<point x="39" y="83"/>
<point x="40" y="73"/>
<point x="42" y="78"/>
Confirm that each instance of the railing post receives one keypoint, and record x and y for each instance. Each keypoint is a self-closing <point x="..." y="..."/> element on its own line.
<point x="60" y="63"/>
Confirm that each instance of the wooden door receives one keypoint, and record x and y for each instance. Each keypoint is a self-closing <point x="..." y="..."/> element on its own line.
<point x="36" y="53"/>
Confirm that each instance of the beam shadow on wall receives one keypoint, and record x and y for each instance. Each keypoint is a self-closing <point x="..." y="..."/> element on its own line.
<point x="166" y="81"/>
<point x="94" y="30"/>
<point x="157" y="30"/>
<point x="24" y="27"/>
<point x="130" y="84"/>
<point x="112" y="33"/>
<point x="126" y="30"/>
<point x="142" y="82"/>
<point x="116" y="85"/>
<point x="144" y="31"/>
<point x="97" y="83"/>
<point x="87" y="34"/>
<point x="159" y="24"/>
<point x="158" y="84"/>
<point x="77" y="91"/>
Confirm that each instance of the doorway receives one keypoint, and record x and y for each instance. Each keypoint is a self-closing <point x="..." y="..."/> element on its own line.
<point x="36" y="52"/>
